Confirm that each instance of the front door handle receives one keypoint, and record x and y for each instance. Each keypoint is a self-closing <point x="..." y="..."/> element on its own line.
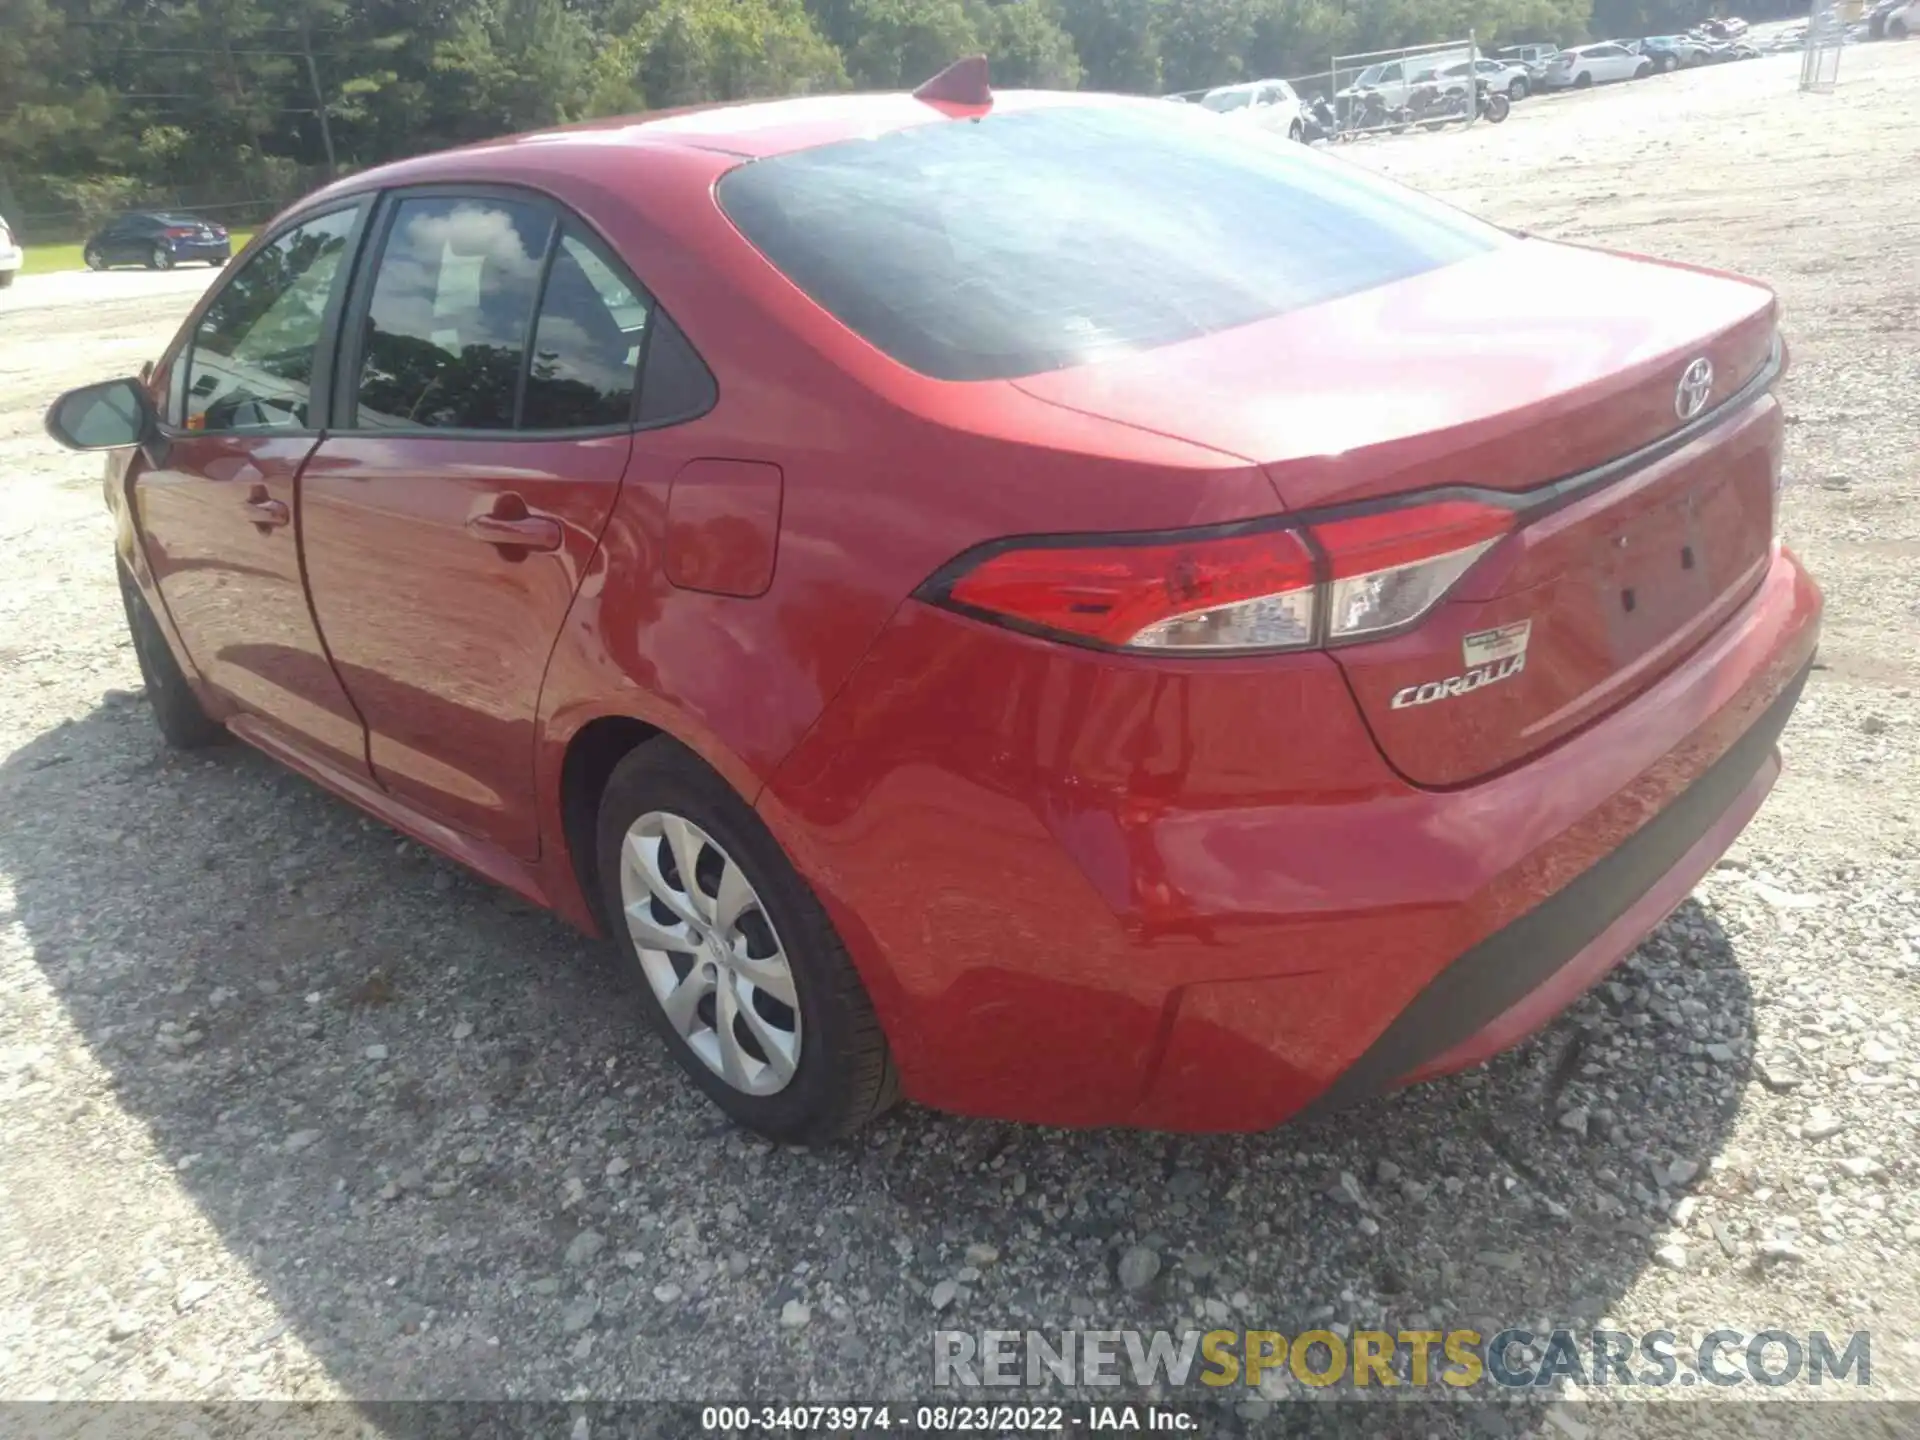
<point x="511" y="527"/>
<point x="266" y="512"/>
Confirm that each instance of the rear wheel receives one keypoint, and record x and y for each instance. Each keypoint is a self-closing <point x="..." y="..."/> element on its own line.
<point x="95" y="259"/>
<point x="1897" y="29"/>
<point x="735" y="961"/>
<point x="1667" y="63"/>
<point x="1517" y="91"/>
<point x="1582" y="81"/>
<point x="1297" y="133"/>
<point x="160" y="258"/>
<point x="1643" y="69"/>
<point x="6" y="278"/>
<point x="1497" y="108"/>
<point x="182" y="722"/>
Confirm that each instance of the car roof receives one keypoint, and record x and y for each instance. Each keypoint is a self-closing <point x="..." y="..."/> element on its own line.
<point x="752" y="130"/>
<point x="759" y="129"/>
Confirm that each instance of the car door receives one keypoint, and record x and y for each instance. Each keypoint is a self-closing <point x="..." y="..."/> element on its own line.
<point x="1610" y="62"/>
<point x="137" y="240"/>
<point x="115" y="241"/>
<point x="447" y="520"/>
<point x="215" y="495"/>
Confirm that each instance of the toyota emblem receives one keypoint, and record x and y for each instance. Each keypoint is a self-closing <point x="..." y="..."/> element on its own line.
<point x="1696" y="383"/>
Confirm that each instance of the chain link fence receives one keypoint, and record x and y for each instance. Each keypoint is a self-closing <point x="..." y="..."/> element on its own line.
<point x="1394" y="90"/>
<point x="1380" y="91"/>
<point x="1826" y="37"/>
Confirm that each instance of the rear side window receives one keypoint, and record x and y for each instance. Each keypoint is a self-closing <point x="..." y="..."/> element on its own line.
<point x="586" y="346"/>
<point x="447" y="324"/>
<point x="1040" y="239"/>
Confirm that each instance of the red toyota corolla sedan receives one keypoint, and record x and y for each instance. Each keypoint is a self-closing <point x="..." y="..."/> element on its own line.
<point x="1058" y="607"/>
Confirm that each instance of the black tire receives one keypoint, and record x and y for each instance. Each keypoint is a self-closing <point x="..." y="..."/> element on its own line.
<point x="6" y="278"/>
<point x="1897" y="30"/>
<point x="1668" y="64"/>
<point x="182" y="722"/>
<point x="1517" y="91"/>
<point x="1643" y="69"/>
<point x="845" y="1076"/>
<point x="1583" y="81"/>
<point x="1498" y="107"/>
<point x="160" y="258"/>
<point x="95" y="260"/>
<point x="1297" y="133"/>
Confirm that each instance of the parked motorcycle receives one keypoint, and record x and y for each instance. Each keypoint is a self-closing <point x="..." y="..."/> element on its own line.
<point x="1321" y="123"/>
<point x="1371" y="112"/>
<point x="1495" y="105"/>
<point x="1435" y="108"/>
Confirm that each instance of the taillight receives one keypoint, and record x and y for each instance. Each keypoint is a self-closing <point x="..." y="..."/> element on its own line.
<point x="180" y="232"/>
<point x="1389" y="568"/>
<point x="1279" y="588"/>
<point x="1234" y="592"/>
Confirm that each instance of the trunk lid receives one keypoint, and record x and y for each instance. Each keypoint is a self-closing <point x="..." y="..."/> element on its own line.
<point x="1509" y="372"/>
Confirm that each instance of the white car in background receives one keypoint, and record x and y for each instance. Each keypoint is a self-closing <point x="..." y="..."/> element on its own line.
<point x="11" y="255"/>
<point x="1904" y="22"/>
<point x="1507" y="77"/>
<point x="1586" y="65"/>
<point x="1270" y="104"/>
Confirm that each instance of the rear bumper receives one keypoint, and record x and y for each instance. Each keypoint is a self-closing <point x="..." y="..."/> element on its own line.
<point x="1086" y="890"/>
<point x="12" y="257"/>
<point x="1515" y="981"/>
<point x="218" y="250"/>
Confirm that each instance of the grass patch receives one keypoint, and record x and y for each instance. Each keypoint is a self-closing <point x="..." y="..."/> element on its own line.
<point x="46" y="259"/>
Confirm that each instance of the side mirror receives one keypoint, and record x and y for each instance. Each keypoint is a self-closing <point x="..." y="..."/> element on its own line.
<point x="107" y="416"/>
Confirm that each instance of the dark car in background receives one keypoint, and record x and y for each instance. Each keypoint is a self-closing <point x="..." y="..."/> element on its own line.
<point x="157" y="239"/>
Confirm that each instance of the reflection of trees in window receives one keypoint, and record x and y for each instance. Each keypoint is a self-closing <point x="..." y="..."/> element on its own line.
<point x="408" y="381"/>
<point x="446" y="326"/>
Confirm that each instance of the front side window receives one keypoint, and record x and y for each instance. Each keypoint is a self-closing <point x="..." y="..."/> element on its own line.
<point x="446" y="329"/>
<point x="1037" y="239"/>
<point x="250" y="363"/>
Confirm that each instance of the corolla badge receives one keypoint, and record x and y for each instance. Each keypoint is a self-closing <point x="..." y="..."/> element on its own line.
<point x="1490" y="656"/>
<point x="1696" y="383"/>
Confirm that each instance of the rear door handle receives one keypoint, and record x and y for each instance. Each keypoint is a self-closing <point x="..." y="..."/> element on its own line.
<point x="511" y="528"/>
<point x="265" y="511"/>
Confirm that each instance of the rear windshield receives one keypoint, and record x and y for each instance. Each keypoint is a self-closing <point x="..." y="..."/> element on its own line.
<point x="1031" y="241"/>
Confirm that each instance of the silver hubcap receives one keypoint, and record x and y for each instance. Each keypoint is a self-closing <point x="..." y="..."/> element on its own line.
<point x="710" y="952"/>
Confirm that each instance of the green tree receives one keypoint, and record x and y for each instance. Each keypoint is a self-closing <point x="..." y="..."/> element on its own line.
<point x="688" y="51"/>
<point x="898" y="43"/>
<point x="1118" y="42"/>
<point x="1026" y="47"/>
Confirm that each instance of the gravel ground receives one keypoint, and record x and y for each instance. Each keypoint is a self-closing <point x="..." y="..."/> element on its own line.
<point x="295" y="1109"/>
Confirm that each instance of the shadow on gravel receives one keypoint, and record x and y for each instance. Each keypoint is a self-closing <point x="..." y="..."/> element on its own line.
<point x="407" y="1103"/>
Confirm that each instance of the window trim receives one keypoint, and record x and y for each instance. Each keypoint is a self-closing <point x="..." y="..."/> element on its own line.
<point x="172" y="425"/>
